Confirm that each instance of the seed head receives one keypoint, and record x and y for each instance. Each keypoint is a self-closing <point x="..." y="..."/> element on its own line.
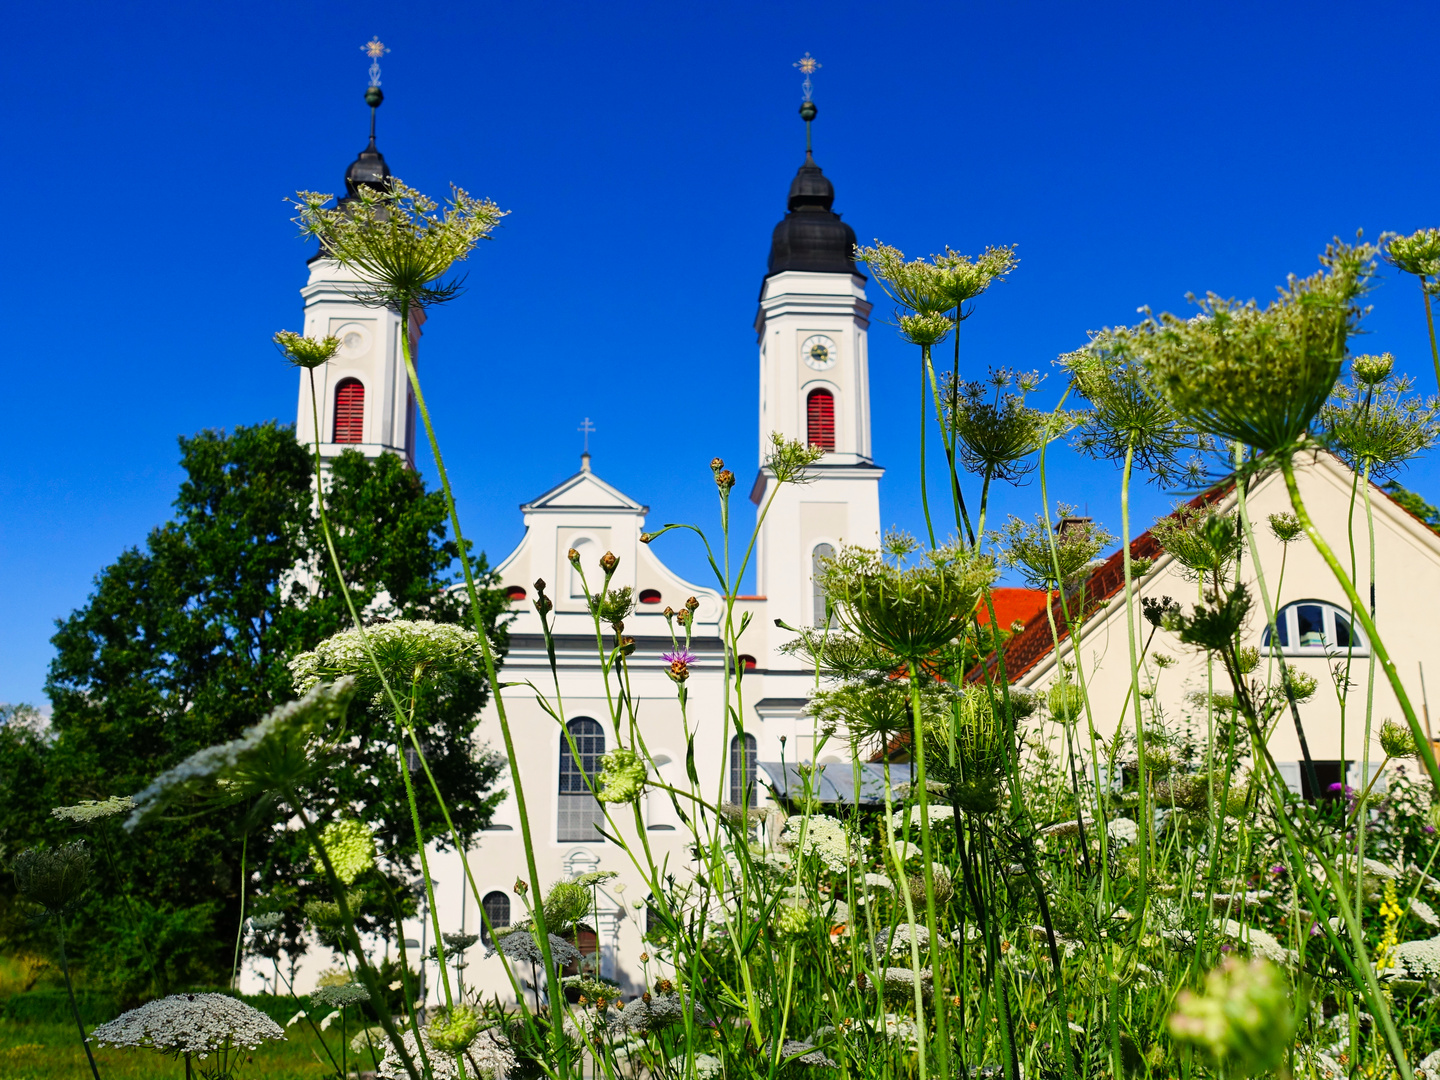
<point x="1372" y="370"/>
<point x="306" y="352"/>
<point x="53" y="877"/>
<point x="925" y="329"/>
<point x="1285" y="527"/>
<point x="1397" y="741"/>
<point x="1418" y="253"/>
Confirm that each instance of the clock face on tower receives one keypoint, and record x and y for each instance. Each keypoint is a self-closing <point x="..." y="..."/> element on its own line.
<point x="819" y="352"/>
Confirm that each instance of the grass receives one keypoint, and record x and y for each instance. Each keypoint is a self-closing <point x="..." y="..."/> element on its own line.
<point x="33" y="1051"/>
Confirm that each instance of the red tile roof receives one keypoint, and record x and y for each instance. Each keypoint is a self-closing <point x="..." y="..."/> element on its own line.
<point x="1013" y="605"/>
<point x="1034" y="643"/>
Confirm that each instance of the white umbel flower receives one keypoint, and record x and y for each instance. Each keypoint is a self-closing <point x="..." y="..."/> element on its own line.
<point x="1420" y="959"/>
<point x="1122" y="830"/>
<point x="1260" y="942"/>
<point x="88" y="810"/>
<point x="488" y="1057"/>
<point x="199" y="1024"/>
<point x="823" y="837"/>
<point x="1424" y="912"/>
<point x="911" y="816"/>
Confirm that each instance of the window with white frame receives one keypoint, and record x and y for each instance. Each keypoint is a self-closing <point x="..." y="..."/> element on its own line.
<point x="580" y="814"/>
<point x="1315" y="628"/>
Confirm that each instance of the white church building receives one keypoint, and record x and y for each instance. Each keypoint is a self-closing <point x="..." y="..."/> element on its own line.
<point x="811" y="332"/>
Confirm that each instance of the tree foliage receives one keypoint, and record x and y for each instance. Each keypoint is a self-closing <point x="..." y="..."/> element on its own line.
<point x="182" y="644"/>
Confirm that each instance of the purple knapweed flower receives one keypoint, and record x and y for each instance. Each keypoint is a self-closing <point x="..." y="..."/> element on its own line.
<point x="679" y="661"/>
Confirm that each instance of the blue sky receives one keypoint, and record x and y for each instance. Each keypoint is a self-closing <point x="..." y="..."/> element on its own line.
<point x="1134" y="152"/>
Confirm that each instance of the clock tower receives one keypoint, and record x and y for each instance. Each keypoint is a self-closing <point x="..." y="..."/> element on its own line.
<point x="364" y="397"/>
<point x="812" y="331"/>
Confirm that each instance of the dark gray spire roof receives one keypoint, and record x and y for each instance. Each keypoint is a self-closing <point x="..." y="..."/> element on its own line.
<point x="811" y="236"/>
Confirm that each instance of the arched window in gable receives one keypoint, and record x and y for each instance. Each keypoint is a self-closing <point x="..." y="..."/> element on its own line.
<point x="349" y="412"/>
<point x="820" y="419"/>
<point x="580" y="814"/>
<point x="1314" y="627"/>
<point x="590" y="560"/>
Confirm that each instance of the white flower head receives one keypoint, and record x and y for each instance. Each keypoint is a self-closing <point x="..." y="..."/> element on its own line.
<point x="199" y="1024"/>
<point x="707" y="1066"/>
<point x="1261" y="943"/>
<point x="911" y="816"/>
<point x="283" y="748"/>
<point x="1424" y="912"/>
<point x="406" y="649"/>
<point x="88" y="810"/>
<point x="1419" y="959"/>
<point x="824" y="837"/>
<point x="1123" y="830"/>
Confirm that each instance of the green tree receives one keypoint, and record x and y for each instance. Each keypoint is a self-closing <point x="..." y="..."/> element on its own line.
<point x="1413" y="503"/>
<point x="185" y="643"/>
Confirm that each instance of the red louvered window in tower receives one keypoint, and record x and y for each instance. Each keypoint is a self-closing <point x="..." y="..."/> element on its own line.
<point x="820" y="419"/>
<point x="350" y="411"/>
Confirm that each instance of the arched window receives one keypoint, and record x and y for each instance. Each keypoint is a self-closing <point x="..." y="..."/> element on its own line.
<point x="497" y="912"/>
<point x="822" y="551"/>
<point x="593" y="574"/>
<point x="820" y="419"/>
<point x="580" y="812"/>
<point x="1315" y="628"/>
<point x="744" y="762"/>
<point x="349" y="411"/>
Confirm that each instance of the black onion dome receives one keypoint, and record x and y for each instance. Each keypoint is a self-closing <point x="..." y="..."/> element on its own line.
<point x="368" y="170"/>
<point x="811" y="236"/>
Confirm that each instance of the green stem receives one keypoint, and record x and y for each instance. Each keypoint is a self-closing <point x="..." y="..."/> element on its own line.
<point x="1143" y="817"/>
<point x="942" y="1026"/>
<point x="240" y="932"/>
<point x="562" y="1049"/>
<point x="425" y="872"/>
<point x="352" y="938"/>
<point x="1430" y="325"/>
<point x="1427" y="752"/>
<point x="70" y="991"/>
<point x="922" y="1038"/>
<point x="924" y="494"/>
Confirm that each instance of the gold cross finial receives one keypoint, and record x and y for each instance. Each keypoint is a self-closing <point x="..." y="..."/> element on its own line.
<point x="374" y="49"/>
<point x="808" y="65"/>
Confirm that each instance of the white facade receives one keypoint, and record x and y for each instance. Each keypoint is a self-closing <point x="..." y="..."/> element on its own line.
<point x="799" y="310"/>
<point x="841" y="505"/>
<point x="369" y="354"/>
<point x="1407" y="556"/>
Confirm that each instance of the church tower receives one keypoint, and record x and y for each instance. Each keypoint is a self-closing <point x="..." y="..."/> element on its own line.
<point x="812" y="330"/>
<point x="364" y="397"/>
